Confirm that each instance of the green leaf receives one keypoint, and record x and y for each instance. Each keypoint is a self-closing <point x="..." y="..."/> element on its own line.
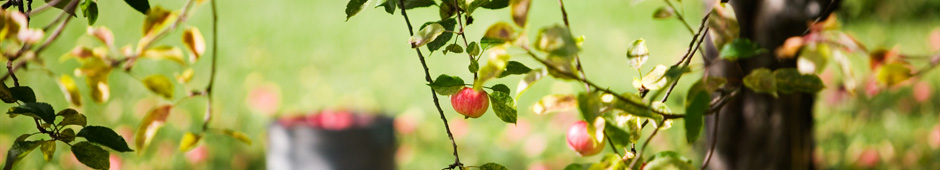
<point x="91" y="155"/>
<point x="389" y="5"/>
<point x="556" y="40"/>
<point x="474" y="66"/>
<point x="813" y="60"/>
<point x="61" y="4"/>
<point x="503" y="106"/>
<point x="189" y="141"/>
<point x="663" y="12"/>
<point x="473" y="49"/>
<point x="609" y="161"/>
<point x="493" y="68"/>
<point x="5" y="94"/>
<point x="741" y="48"/>
<point x="67" y="135"/>
<point x="668" y="160"/>
<point x="589" y="104"/>
<point x="577" y="166"/>
<point x="620" y="135"/>
<point x="564" y="68"/>
<point x="492" y="166"/>
<point x="761" y="81"/>
<point x="697" y="103"/>
<point x="48" y="149"/>
<point x="42" y="111"/>
<point x="447" y="9"/>
<point x="71" y="117"/>
<point x="236" y="134"/>
<point x="454" y="48"/>
<point x="19" y="150"/>
<point x="514" y="68"/>
<point x="497" y="34"/>
<point x="892" y="73"/>
<point x="655" y="79"/>
<point x="530" y="78"/>
<point x="474" y="4"/>
<point x="104" y="136"/>
<point x="520" y="11"/>
<point x="712" y="83"/>
<point x="496" y="4"/>
<point x="426" y="35"/>
<point x="23" y="93"/>
<point x="409" y="4"/>
<point x="790" y="80"/>
<point x="637" y="54"/>
<point x="90" y="11"/>
<point x="353" y="7"/>
<point x="149" y="126"/>
<point x="501" y="88"/>
<point x="141" y="6"/>
<point x="447" y="85"/>
<point x="159" y="84"/>
<point x="445" y="37"/>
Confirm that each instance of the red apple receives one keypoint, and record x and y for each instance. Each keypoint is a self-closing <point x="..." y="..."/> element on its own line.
<point x="470" y="102"/>
<point x="580" y="141"/>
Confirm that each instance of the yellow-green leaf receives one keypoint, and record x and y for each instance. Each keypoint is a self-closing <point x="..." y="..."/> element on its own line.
<point x="67" y="135"/>
<point x="554" y="103"/>
<point x="194" y="42"/>
<point x="494" y="66"/>
<point x="893" y="73"/>
<point x="637" y="54"/>
<point x="165" y="52"/>
<point x="520" y="11"/>
<point x="663" y="12"/>
<point x="530" y="78"/>
<point x="185" y="76"/>
<point x="189" y="141"/>
<point x="70" y="89"/>
<point x="96" y="72"/>
<point x="236" y="134"/>
<point x="157" y="19"/>
<point x="426" y="35"/>
<point x="160" y="85"/>
<point x="556" y="40"/>
<point x="653" y="80"/>
<point x="150" y="125"/>
<point x="5" y="93"/>
<point x="497" y="34"/>
<point x="48" y="149"/>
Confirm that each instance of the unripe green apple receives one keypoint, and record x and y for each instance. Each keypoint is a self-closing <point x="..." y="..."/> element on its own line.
<point x="580" y="141"/>
<point x="470" y="102"/>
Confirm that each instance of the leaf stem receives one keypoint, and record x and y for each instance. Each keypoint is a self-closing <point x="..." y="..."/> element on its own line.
<point x="427" y="77"/>
<point x="464" y="37"/>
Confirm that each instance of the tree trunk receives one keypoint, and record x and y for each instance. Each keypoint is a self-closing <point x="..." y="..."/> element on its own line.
<point x="758" y="131"/>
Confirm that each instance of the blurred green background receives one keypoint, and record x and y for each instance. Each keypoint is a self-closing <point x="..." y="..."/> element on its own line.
<point x="282" y="58"/>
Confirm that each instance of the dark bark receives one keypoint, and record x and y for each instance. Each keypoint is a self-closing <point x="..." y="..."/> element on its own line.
<point x="758" y="131"/>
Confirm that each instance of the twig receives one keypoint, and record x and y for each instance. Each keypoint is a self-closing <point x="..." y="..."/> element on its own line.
<point x="44" y="7"/>
<point x="687" y="58"/>
<point x="427" y="77"/>
<point x="215" y="56"/>
<point x="666" y="116"/>
<point x="16" y="81"/>
<point x="680" y="17"/>
<point x="464" y="37"/>
<point x="711" y="149"/>
<point x="643" y="148"/>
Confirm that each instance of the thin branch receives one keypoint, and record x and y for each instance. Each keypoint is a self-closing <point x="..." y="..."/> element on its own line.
<point x="16" y="81"/>
<point x="666" y="116"/>
<point x="212" y="72"/>
<point x="714" y="140"/>
<point x="427" y="77"/>
<point x="464" y="37"/>
<point x="43" y="8"/>
<point x="680" y="17"/>
<point x="687" y="58"/>
<point x="643" y="148"/>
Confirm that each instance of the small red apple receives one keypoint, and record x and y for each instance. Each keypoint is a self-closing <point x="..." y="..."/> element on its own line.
<point x="470" y="102"/>
<point x="580" y="141"/>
